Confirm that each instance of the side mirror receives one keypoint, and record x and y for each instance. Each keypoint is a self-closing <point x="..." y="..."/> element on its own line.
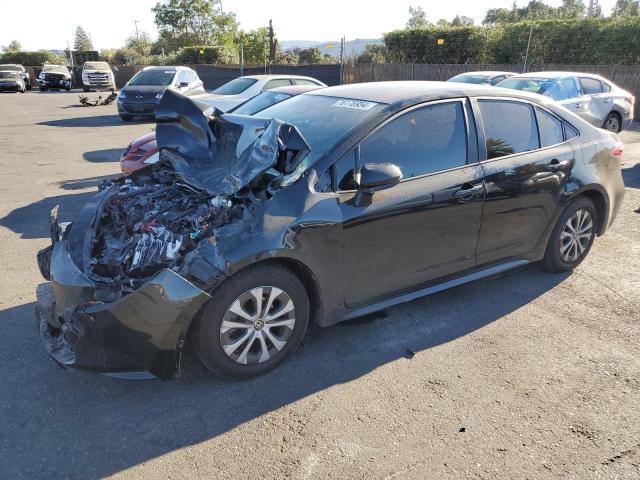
<point x="374" y="177"/>
<point x="184" y="84"/>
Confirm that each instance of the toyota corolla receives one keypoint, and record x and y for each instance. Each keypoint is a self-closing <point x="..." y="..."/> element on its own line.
<point x="332" y="205"/>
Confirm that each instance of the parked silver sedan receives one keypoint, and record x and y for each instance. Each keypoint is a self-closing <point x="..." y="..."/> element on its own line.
<point x="595" y="99"/>
<point x="481" y="78"/>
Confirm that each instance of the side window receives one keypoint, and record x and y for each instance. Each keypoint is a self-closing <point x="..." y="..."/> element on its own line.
<point x="590" y="86"/>
<point x="424" y="140"/>
<point x="304" y="81"/>
<point x="509" y="127"/>
<point x="564" y="89"/>
<point x="550" y="128"/>
<point x="497" y="79"/>
<point x="570" y="132"/>
<point x="182" y="77"/>
<point x="279" y="82"/>
<point x="191" y="77"/>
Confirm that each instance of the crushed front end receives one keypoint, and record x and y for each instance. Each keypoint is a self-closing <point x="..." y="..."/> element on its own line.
<point x="129" y="275"/>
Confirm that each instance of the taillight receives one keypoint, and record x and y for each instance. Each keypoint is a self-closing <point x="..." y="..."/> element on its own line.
<point x="618" y="150"/>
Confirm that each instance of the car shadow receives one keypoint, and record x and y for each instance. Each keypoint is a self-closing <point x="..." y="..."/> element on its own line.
<point x="105" y="155"/>
<point x="82" y="183"/>
<point x="631" y="176"/>
<point x="93" y="121"/>
<point x="70" y="424"/>
<point x="32" y="221"/>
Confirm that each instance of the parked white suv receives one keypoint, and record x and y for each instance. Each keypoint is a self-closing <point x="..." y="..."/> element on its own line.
<point x="97" y="76"/>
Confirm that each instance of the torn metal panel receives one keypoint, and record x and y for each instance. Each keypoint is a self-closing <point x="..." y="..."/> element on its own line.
<point x="223" y="153"/>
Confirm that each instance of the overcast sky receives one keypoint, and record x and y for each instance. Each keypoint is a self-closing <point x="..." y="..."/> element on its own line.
<point x="49" y="24"/>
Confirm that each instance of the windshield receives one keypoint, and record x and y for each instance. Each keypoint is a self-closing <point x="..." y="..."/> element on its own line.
<point x="531" y="84"/>
<point x="9" y="75"/>
<point x="323" y="121"/>
<point x="262" y="101"/>
<point x="469" y="78"/>
<point x="55" y="68"/>
<point x="13" y="68"/>
<point x="96" y="66"/>
<point x="153" y="77"/>
<point x="235" y="87"/>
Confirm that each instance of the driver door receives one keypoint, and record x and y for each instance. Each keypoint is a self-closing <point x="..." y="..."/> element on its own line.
<point x="424" y="228"/>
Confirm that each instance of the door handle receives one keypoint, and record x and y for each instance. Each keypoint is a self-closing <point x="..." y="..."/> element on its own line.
<point x="556" y="166"/>
<point x="577" y="105"/>
<point x="468" y="193"/>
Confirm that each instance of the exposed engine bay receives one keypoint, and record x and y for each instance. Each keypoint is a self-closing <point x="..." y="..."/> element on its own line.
<point x="152" y="220"/>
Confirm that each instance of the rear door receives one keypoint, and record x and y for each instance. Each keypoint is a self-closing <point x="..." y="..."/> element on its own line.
<point x="600" y="100"/>
<point x="568" y="93"/>
<point x="525" y="168"/>
<point x="424" y="228"/>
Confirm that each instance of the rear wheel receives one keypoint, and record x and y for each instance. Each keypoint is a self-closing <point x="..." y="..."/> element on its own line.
<point x="43" y="89"/>
<point x="572" y="236"/>
<point x="613" y="123"/>
<point x="253" y="322"/>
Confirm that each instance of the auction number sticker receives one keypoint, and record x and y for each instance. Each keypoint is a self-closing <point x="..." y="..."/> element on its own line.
<point x="354" y="104"/>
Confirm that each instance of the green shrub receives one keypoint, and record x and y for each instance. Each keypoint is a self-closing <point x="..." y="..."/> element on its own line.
<point x="33" y="59"/>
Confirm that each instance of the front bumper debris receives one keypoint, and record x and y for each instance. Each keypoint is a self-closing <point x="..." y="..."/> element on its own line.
<point x="142" y="331"/>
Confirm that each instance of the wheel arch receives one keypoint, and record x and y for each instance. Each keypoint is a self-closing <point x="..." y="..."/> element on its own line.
<point x="601" y="201"/>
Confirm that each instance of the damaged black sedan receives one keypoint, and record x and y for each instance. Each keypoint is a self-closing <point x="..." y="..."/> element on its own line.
<point x="331" y="205"/>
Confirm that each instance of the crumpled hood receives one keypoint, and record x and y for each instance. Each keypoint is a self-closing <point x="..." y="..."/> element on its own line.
<point x="222" y="153"/>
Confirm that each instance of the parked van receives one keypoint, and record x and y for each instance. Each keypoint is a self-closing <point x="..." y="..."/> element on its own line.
<point x="97" y="76"/>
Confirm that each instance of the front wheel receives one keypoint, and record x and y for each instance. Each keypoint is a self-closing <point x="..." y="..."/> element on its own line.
<point x="572" y="236"/>
<point x="253" y="322"/>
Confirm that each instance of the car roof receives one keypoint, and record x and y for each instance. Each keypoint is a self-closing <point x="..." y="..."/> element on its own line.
<point x="417" y="91"/>
<point x="552" y="75"/>
<point x="295" y="89"/>
<point x="164" y="67"/>
<point x="273" y="75"/>
<point x="489" y="73"/>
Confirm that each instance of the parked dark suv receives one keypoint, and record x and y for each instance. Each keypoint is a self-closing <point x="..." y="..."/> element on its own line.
<point x="328" y="206"/>
<point x="141" y="95"/>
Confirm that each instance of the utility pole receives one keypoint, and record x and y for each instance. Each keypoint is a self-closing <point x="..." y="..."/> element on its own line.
<point x="135" y="22"/>
<point x="272" y="44"/>
<point x="526" y="55"/>
<point x="342" y="61"/>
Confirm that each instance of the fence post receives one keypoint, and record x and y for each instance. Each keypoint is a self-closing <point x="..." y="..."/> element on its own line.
<point x="373" y="75"/>
<point x="526" y="55"/>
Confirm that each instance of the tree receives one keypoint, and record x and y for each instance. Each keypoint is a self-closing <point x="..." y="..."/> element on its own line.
<point x="183" y="23"/>
<point x="140" y="44"/>
<point x="13" y="47"/>
<point x="417" y="18"/>
<point x="626" y="8"/>
<point x="500" y="16"/>
<point x="571" y="9"/>
<point x="462" y="21"/>
<point x="255" y="44"/>
<point x="309" y="55"/>
<point x="372" y="54"/>
<point x="82" y="41"/>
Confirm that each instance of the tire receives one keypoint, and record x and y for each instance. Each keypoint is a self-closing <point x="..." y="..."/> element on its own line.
<point x="613" y="123"/>
<point x="43" y="89"/>
<point x="568" y="246"/>
<point x="239" y="292"/>
<point x="86" y="89"/>
<point x="126" y="118"/>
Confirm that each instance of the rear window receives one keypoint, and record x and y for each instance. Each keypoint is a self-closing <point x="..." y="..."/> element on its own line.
<point x="234" y="87"/>
<point x="262" y="101"/>
<point x="509" y="127"/>
<point x="590" y="86"/>
<point x="467" y="78"/>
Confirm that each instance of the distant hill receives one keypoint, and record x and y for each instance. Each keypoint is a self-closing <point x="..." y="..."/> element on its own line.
<point x="352" y="47"/>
